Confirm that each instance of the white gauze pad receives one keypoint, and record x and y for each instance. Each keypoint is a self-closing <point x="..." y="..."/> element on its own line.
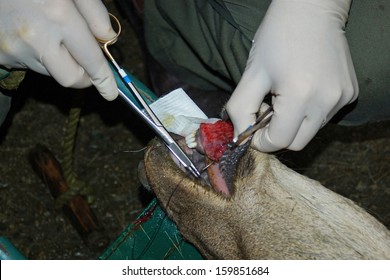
<point x="180" y="115"/>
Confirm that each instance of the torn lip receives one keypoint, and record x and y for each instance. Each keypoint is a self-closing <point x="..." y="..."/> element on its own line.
<point x="217" y="181"/>
<point x="210" y="172"/>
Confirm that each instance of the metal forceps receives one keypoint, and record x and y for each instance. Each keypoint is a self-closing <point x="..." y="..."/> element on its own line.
<point x="149" y="117"/>
<point x="261" y="121"/>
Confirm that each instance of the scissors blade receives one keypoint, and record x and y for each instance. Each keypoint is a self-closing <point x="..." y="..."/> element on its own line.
<point x="182" y="157"/>
<point x="160" y="130"/>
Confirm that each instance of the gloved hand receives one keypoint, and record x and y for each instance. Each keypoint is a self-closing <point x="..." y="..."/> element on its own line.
<point x="57" y="38"/>
<point x="301" y="56"/>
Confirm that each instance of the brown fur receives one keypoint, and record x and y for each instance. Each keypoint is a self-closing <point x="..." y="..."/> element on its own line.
<point x="274" y="213"/>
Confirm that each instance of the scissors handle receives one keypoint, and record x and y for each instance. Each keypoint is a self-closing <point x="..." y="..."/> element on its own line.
<point x="104" y="44"/>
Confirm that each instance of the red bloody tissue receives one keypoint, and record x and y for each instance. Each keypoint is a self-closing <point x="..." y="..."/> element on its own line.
<point x="214" y="138"/>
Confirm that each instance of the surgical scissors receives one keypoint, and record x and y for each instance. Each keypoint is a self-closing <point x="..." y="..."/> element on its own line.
<point x="149" y="117"/>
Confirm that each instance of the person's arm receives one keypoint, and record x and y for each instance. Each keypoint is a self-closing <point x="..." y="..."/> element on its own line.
<point x="58" y="38"/>
<point x="301" y="56"/>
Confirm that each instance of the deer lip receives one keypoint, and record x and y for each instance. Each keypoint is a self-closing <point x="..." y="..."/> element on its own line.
<point x="217" y="181"/>
<point x="210" y="172"/>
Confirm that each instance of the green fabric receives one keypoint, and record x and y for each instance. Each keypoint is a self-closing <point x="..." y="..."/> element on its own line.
<point x="153" y="236"/>
<point x="196" y="43"/>
<point x="3" y="74"/>
<point x="206" y="43"/>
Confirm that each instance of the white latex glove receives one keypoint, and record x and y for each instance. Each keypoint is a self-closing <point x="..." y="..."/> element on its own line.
<point x="57" y="38"/>
<point x="301" y="56"/>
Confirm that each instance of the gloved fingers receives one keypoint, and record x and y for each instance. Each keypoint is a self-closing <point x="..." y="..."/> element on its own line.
<point x="104" y="81"/>
<point x="294" y="124"/>
<point x="311" y="124"/>
<point x="317" y="117"/>
<point x="322" y="111"/>
<point x="277" y="135"/>
<point x="96" y="15"/>
<point x="246" y="99"/>
<point x="64" y="69"/>
<point x="86" y="51"/>
<point x="31" y="64"/>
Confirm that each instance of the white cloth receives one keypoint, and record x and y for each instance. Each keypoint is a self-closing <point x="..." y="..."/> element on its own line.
<point x="180" y="115"/>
